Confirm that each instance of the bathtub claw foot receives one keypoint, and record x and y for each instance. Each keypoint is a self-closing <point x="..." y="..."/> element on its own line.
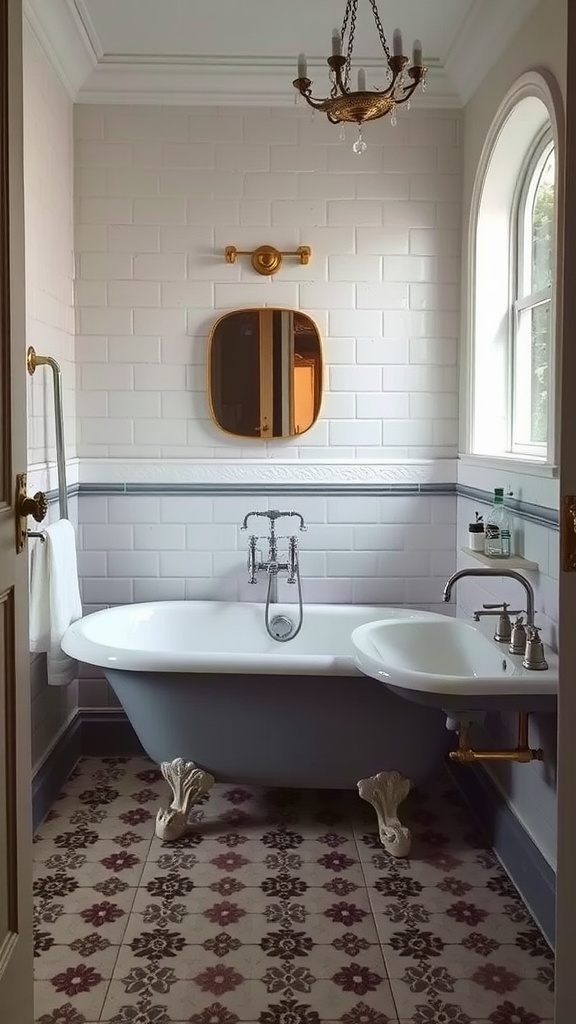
<point x="385" y="792"/>
<point x="188" y="784"/>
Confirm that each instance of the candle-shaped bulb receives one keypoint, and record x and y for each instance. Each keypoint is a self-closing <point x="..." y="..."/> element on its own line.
<point x="336" y="42"/>
<point x="361" y="80"/>
<point x="417" y="53"/>
<point x="397" y="43"/>
<point x="302" y="66"/>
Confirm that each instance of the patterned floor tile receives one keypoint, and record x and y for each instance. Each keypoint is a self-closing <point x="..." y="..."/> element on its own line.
<point x="498" y="993"/>
<point x="276" y="907"/>
<point x="86" y="911"/>
<point x="355" y="993"/>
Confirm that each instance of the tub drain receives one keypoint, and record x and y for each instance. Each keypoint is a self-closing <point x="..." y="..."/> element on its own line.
<point x="281" y="627"/>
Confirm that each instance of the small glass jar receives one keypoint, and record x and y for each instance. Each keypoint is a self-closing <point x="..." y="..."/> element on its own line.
<point x="476" y="537"/>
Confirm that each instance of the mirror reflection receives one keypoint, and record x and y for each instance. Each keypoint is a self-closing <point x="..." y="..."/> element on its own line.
<point x="265" y="373"/>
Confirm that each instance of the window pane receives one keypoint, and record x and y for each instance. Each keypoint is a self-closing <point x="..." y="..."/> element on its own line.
<point x="542" y="227"/>
<point x="532" y="361"/>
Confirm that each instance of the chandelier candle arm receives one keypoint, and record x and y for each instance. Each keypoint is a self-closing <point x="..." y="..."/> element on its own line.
<point x="345" y="104"/>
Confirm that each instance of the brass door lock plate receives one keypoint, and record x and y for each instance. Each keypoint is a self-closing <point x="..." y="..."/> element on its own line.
<point x="37" y="507"/>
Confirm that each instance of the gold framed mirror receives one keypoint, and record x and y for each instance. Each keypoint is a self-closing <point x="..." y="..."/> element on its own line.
<point x="265" y="373"/>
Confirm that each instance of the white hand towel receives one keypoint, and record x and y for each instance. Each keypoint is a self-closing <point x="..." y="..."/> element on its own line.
<point x="54" y="599"/>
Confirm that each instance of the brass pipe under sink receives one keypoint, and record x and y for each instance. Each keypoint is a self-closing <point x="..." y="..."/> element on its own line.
<point x="521" y="753"/>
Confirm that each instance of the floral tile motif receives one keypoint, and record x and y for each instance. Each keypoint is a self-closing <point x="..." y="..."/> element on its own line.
<point x="276" y="907"/>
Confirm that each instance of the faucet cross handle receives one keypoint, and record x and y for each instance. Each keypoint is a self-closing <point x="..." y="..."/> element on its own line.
<point x="292" y="559"/>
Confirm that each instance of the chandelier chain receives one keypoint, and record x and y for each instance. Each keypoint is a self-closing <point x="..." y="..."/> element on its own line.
<point x="349" y="16"/>
<point x="385" y="46"/>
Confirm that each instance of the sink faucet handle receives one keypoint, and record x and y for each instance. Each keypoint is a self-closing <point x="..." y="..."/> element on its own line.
<point x="519" y="637"/>
<point x="503" y="604"/>
<point x="534" y="651"/>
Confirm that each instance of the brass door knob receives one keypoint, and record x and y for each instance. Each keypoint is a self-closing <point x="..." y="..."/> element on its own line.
<point x="36" y="507"/>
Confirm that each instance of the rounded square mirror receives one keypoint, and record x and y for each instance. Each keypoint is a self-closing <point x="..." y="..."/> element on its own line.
<point x="265" y="373"/>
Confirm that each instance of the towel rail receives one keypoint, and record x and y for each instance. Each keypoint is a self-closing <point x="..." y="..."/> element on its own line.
<point x="32" y="361"/>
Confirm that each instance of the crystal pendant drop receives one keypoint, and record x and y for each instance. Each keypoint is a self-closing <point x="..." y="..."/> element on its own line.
<point x="393" y="118"/>
<point x="342" y="135"/>
<point x="407" y="104"/>
<point x="359" y="146"/>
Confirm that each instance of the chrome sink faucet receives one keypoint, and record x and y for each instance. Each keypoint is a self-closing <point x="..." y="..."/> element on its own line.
<point x="508" y="573"/>
<point x="534" y="650"/>
<point x="271" y="565"/>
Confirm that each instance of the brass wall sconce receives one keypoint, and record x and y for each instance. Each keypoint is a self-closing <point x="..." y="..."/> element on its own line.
<point x="266" y="259"/>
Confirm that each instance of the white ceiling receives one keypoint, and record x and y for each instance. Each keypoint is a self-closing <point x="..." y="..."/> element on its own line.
<point x="244" y="51"/>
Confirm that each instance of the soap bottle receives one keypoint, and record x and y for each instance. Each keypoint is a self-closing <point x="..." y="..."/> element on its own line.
<point x="497" y="528"/>
<point x="476" y="534"/>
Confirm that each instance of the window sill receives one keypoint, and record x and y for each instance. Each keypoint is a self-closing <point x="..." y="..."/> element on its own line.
<point x="511" y="463"/>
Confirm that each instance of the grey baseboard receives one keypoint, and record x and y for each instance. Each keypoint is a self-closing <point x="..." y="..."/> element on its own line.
<point x="528" y="869"/>
<point x="89" y="734"/>
<point x="108" y="734"/>
<point x="54" y="770"/>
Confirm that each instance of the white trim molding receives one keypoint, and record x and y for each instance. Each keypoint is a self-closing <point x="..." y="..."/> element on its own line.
<point x="62" y="35"/>
<point x="481" y="40"/>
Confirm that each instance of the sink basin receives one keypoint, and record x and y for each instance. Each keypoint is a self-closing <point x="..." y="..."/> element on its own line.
<point x="451" y="664"/>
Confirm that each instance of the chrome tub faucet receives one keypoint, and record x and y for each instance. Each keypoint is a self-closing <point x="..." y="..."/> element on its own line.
<point x="271" y="565"/>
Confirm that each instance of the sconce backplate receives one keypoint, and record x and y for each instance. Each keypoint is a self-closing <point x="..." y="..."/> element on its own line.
<point x="266" y="259"/>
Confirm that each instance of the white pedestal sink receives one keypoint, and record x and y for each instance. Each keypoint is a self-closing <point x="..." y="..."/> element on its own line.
<point x="450" y="663"/>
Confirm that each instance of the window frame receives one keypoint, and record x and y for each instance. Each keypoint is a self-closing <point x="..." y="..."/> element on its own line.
<point x="489" y="267"/>
<point x="521" y="254"/>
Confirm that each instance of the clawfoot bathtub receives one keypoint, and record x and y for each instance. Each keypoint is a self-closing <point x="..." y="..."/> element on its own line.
<point x="211" y="696"/>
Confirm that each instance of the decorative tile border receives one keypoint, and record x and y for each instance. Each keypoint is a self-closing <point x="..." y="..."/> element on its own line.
<point x="264" y="473"/>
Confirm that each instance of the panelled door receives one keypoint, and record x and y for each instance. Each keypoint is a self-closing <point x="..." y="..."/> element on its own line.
<point x="16" y="991"/>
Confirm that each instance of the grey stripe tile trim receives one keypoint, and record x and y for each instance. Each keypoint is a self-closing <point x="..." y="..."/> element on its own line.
<point x="523" y="509"/>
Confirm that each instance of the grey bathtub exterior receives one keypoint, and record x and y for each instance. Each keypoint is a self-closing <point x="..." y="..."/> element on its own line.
<point x="282" y="730"/>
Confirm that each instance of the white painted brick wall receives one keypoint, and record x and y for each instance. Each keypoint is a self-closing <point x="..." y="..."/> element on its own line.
<point x="160" y="191"/>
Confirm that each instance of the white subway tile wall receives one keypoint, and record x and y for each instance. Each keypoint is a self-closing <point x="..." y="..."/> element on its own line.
<point x="49" y="251"/>
<point x="49" y="248"/>
<point x="160" y="191"/>
<point x="363" y="549"/>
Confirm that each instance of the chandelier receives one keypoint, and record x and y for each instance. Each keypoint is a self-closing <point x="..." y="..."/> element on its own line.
<point x="345" y="104"/>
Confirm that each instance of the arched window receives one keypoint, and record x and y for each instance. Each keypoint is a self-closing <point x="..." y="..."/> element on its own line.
<point x="534" y="240"/>
<point x="512" y="261"/>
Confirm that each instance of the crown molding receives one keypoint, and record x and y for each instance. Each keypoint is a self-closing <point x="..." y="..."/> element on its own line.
<point x="222" y="81"/>
<point x="62" y="35"/>
<point x="481" y="40"/>
<point x="65" y="31"/>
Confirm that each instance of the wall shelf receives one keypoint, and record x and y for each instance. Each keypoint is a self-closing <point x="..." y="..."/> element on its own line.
<point x="514" y="562"/>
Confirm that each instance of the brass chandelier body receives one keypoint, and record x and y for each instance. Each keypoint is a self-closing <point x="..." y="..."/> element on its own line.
<point x="343" y="104"/>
